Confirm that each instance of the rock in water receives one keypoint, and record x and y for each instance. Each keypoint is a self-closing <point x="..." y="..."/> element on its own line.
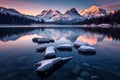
<point x="47" y="64"/>
<point x="42" y="40"/>
<point x="86" y="49"/>
<point x="50" y="52"/>
<point x="77" y="44"/>
<point x="64" y="47"/>
<point x="46" y="67"/>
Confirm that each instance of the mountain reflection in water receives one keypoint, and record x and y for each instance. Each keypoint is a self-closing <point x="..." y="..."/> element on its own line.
<point x="90" y="35"/>
<point x="18" y="52"/>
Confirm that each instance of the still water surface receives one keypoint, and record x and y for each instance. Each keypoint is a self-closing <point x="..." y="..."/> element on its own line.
<point x="18" y="53"/>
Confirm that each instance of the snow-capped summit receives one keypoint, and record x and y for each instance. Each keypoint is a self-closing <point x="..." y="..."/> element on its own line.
<point x="72" y="15"/>
<point x="56" y="16"/>
<point x="50" y="15"/>
<point x="92" y="12"/>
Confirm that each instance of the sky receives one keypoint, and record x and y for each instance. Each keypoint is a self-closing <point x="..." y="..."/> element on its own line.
<point x="34" y="7"/>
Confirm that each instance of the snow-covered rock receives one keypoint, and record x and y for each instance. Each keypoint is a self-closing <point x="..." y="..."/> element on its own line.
<point x="50" y="52"/>
<point x="86" y="49"/>
<point x="93" y="12"/>
<point x="64" y="47"/>
<point x="47" y="64"/>
<point x="42" y="40"/>
<point x="66" y="58"/>
<point x="77" y="44"/>
<point x="45" y="67"/>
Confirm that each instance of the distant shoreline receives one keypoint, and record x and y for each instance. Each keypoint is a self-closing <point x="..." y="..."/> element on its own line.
<point x="62" y="25"/>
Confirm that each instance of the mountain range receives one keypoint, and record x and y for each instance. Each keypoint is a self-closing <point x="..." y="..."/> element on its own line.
<point x="71" y="15"/>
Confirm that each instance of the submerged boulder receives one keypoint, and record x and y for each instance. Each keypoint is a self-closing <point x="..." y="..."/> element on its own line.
<point x="85" y="74"/>
<point x="77" y="44"/>
<point x="76" y="69"/>
<point x="86" y="49"/>
<point x="79" y="78"/>
<point x="50" y="52"/>
<point x="42" y="40"/>
<point x="84" y="71"/>
<point x="64" y="47"/>
<point x="95" y="77"/>
<point x="46" y="67"/>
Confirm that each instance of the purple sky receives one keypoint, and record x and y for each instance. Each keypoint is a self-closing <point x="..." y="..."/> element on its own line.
<point x="34" y="7"/>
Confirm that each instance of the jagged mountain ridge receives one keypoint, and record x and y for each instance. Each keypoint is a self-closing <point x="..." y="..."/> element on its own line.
<point x="71" y="15"/>
<point x="57" y="16"/>
<point x="50" y="15"/>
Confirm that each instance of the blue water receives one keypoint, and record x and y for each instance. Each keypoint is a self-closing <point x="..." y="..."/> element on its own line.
<point x="18" y="53"/>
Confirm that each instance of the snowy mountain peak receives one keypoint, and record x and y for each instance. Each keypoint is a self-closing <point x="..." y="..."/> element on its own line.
<point x="54" y="12"/>
<point x="94" y="7"/>
<point x="93" y="11"/>
<point x="72" y="15"/>
<point x="72" y="11"/>
<point x="50" y="15"/>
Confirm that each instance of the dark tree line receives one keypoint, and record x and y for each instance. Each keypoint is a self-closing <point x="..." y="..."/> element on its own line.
<point x="7" y="32"/>
<point x="109" y="19"/>
<point x="14" y="19"/>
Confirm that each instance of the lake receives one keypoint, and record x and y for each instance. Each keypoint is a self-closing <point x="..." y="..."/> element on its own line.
<point x="18" y="54"/>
